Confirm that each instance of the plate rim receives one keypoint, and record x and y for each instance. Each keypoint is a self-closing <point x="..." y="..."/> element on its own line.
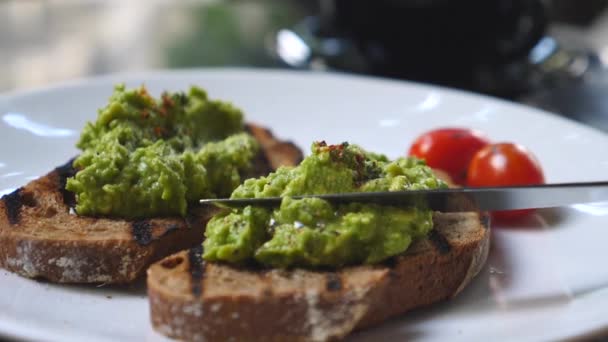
<point x="160" y="72"/>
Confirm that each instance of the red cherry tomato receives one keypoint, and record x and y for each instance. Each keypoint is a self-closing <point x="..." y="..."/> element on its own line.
<point x="449" y="149"/>
<point x="505" y="164"/>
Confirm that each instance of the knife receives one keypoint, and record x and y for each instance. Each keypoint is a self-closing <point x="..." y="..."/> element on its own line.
<point x="455" y="199"/>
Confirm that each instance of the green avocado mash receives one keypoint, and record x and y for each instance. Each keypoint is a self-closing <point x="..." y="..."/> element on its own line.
<point x="148" y="157"/>
<point x="312" y="232"/>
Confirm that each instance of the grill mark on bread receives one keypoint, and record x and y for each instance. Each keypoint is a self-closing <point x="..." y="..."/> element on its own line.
<point x="333" y="282"/>
<point x="439" y="241"/>
<point x="64" y="172"/>
<point x="12" y="206"/>
<point x="390" y="262"/>
<point x="485" y="220"/>
<point x="197" y="269"/>
<point x="28" y="199"/>
<point x="142" y="232"/>
<point x="191" y="219"/>
<point x="169" y="229"/>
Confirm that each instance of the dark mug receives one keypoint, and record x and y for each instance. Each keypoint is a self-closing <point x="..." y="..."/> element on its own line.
<point x="480" y="45"/>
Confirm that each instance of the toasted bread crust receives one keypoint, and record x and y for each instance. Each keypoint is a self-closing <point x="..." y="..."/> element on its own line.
<point x="40" y="238"/>
<point x="301" y="305"/>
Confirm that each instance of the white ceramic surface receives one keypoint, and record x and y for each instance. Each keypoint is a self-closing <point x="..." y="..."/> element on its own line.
<point x="545" y="279"/>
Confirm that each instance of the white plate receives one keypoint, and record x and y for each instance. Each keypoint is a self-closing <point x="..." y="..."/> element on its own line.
<point x="545" y="279"/>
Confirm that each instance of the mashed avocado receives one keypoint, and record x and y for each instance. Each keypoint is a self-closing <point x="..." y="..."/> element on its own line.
<point x="150" y="157"/>
<point x="312" y="232"/>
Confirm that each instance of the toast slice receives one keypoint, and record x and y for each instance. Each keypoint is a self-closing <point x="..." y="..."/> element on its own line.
<point x="194" y="300"/>
<point x="41" y="237"/>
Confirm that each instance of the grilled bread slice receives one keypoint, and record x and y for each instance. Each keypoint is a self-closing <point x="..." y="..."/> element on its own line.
<point x="194" y="300"/>
<point x="41" y="237"/>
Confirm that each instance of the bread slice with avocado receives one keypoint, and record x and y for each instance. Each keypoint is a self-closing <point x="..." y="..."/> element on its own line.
<point x="193" y="300"/>
<point x="312" y="270"/>
<point x="42" y="237"/>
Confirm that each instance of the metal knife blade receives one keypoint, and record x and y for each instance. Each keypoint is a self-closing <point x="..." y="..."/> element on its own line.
<point x="459" y="199"/>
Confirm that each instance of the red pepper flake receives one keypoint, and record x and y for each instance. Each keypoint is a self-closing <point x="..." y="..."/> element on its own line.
<point x="360" y="168"/>
<point x="159" y="131"/>
<point x="339" y="148"/>
<point x="167" y="101"/>
<point x="337" y="151"/>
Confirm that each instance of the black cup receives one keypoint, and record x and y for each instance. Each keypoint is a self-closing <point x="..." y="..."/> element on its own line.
<point x="479" y="45"/>
<point x="439" y="41"/>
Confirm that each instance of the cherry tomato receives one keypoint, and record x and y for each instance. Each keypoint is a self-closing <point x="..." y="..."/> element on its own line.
<point x="505" y="164"/>
<point x="449" y="150"/>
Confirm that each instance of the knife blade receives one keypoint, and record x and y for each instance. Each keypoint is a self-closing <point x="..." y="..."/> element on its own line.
<point x="456" y="199"/>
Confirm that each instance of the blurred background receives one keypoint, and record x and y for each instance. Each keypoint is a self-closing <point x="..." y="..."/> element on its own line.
<point x="549" y="54"/>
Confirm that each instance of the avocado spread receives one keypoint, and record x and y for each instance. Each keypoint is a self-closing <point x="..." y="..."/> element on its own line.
<point x="151" y="157"/>
<point x="311" y="232"/>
